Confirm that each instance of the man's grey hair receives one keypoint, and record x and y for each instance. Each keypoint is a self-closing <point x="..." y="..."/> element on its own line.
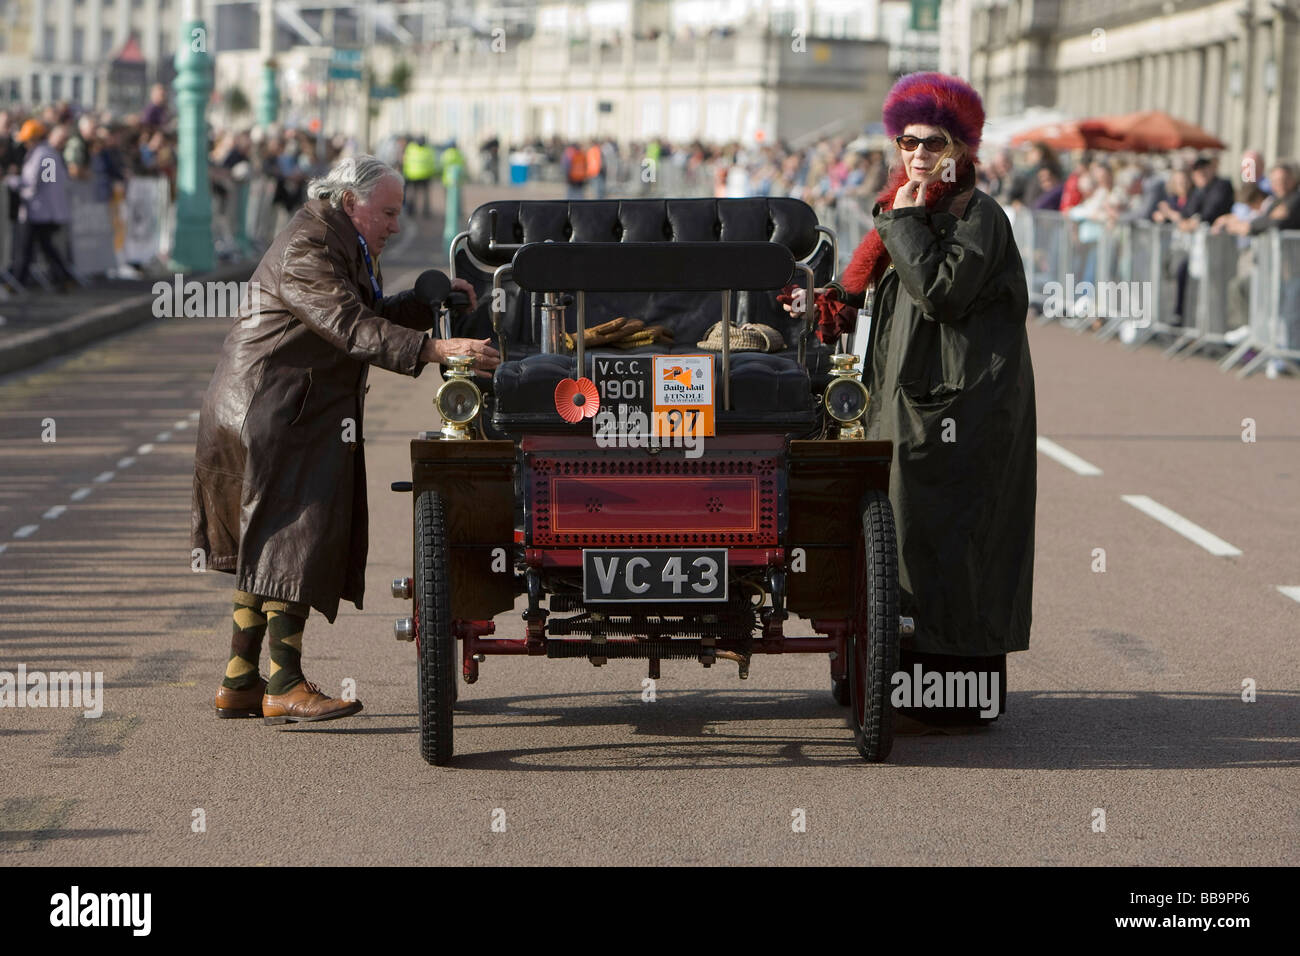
<point x="358" y="175"/>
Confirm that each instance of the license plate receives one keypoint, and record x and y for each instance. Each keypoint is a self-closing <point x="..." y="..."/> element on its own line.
<point x="654" y="574"/>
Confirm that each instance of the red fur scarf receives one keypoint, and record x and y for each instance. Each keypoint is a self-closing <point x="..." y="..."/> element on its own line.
<point x="871" y="259"/>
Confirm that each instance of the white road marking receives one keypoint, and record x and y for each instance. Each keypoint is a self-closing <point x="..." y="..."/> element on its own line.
<point x="1290" y="590"/>
<point x="163" y="436"/>
<point x="194" y="416"/>
<point x="55" y="512"/>
<point x="26" y="531"/>
<point x="181" y="425"/>
<point x="1176" y="522"/>
<point x="126" y="462"/>
<point x="3" y="548"/>
<point x="79" y="494"/>
<point x="104" y="476"/>
<point x="1067" y="458"/>
<point x="144" y="449"/>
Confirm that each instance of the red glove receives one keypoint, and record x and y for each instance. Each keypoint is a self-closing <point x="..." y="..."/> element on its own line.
<point x="833" y="316"/>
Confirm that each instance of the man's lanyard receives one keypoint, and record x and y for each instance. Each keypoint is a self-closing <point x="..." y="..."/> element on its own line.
<point x="370" y="269"/>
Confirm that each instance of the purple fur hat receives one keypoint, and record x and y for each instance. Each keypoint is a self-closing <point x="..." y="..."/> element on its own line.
<point x="936" y="99"/>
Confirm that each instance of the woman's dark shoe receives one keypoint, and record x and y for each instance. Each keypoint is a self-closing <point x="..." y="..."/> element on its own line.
<point x="303" y="703"/>
<point x="241" y="703"/>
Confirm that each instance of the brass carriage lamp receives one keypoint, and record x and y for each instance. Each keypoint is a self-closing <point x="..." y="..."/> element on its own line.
<point x="846" y="397"/>
<point x="458" y="399"/>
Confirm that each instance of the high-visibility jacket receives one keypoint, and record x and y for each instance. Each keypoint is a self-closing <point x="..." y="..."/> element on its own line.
<point x="419" y="162"/>
<point x="451" y="156"/>
<point x="593" y="161"/>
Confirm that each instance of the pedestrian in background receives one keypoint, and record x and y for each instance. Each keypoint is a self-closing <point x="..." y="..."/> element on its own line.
<point x="419" y="165"/>
<point x="11" y="162"/>
<point x="43" y="191"/>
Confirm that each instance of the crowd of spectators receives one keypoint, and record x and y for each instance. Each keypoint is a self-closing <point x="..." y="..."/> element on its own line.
<point x="107" y="151"/>
<point x="821" y="173"/>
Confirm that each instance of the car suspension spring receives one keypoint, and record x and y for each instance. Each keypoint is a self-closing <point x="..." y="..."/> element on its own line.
<point x="679" y="650"/>
<point x="733" y="628"/>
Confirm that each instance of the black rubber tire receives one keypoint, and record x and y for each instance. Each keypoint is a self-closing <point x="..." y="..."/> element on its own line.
<point x="435" y="641"/>
<point x="840" y="690"/>
<point x="873" y="643"/>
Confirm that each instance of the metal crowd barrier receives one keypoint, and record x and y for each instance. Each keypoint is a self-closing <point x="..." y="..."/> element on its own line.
<point x="1274" y="326"/>
<point x="1138" y="266"/>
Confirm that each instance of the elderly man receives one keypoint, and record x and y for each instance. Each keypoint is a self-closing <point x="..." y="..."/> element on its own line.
<point x="279" y="475"/>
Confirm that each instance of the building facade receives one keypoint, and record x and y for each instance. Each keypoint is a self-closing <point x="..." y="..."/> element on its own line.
<point x="52" y="50"/>
<point x="715" y="70"/>
<point x="1229" y="66"/>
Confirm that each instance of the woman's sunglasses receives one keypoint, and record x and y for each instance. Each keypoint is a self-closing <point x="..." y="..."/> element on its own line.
<point x="933" y="144"/>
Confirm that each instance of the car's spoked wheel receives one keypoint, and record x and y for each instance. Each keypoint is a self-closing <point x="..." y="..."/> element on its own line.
<point x="436" y="643"/>
<point x="873" y="644"/>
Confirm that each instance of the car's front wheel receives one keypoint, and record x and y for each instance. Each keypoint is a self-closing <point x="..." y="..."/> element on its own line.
<point x="434" y="639"/>
<point x="873" y="645"/>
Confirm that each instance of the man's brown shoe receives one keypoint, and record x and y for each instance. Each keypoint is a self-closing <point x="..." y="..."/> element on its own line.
<point x="241" y="703"/>
<point x="303" y="703"/>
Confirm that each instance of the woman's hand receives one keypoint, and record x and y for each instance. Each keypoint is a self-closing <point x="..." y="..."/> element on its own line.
<point x="910" y="194"/>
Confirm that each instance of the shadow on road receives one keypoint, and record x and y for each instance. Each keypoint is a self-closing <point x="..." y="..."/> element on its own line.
<point x="703" y="729"/>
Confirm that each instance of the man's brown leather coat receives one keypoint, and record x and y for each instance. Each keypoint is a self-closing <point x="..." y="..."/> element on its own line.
<point x="279" y="470"/>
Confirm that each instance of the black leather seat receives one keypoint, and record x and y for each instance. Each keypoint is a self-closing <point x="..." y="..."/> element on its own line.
<point x="769" y="390"/>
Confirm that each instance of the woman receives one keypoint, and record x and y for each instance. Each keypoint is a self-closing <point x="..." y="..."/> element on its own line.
<point x="952" y="387"/>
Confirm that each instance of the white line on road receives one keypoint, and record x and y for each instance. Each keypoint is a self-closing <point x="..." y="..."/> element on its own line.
<point x="1176" y="522"/>
<point x="144" y="449"/>
<point x="1067" y="458"/>
<point x="55" y="512"/>
<point x="181" y="425"/>
<point x="104" y="476"/>
<point x="3" y="548"/>
<point x="194" y="416"/>
<point x="79" y="494"/>
<point x="126" y="462"/>
<point x="1290" y="590"/>
<point x="26" y="531"/>
<point x="163" y="436"/>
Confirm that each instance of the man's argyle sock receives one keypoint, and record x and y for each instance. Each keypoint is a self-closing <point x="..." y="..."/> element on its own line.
<point x="249" y="626"/>
<point x="284" y="625"/>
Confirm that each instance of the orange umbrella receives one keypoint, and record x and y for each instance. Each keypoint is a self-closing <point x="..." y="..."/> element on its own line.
<point x="1055" y="135"/>
<point x="1150" y="131"/>
<point x="1065" y="136"/>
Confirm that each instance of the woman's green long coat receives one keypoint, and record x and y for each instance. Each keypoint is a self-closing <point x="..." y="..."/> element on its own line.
<point x="952" y="386"/>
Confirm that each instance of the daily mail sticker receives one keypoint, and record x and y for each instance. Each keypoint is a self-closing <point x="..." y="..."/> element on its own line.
<point x="683" y="395"/>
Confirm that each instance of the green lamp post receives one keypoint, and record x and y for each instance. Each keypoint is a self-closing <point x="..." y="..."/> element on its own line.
<point x="268" y="101"/>
<point x="192" y="242"/>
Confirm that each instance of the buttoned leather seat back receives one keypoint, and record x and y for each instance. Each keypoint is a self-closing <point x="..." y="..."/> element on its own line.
<point x="789" y="222"/>
<point x="768" y="390"/>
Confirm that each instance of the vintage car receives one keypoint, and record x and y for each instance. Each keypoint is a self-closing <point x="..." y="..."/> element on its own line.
<point x="662" y="500"/>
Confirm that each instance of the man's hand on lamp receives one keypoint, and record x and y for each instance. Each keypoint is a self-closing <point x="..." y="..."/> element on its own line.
<point x="481" y="351"/>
